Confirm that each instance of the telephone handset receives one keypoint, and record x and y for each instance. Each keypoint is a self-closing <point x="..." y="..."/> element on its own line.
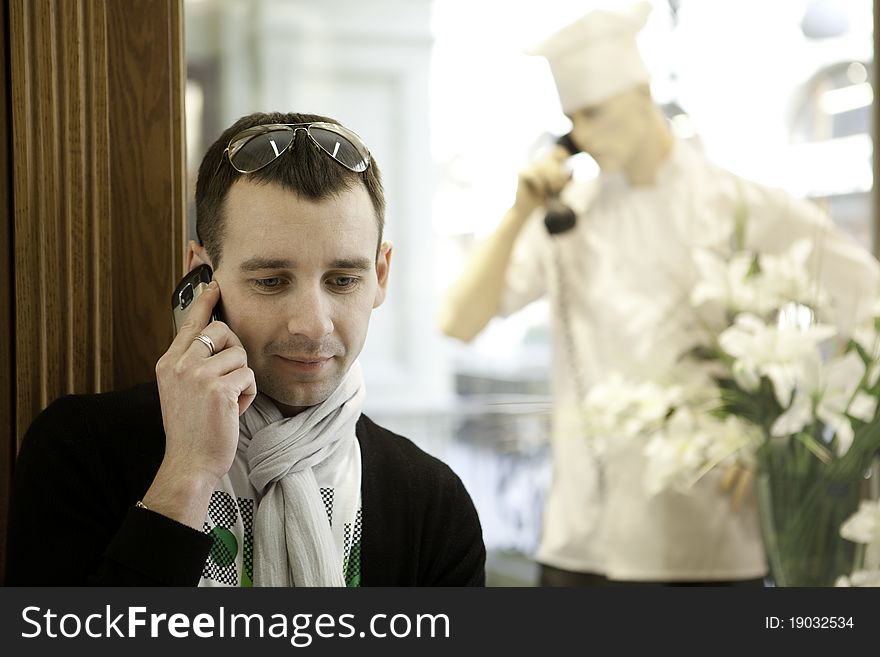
<point x="567" y="142"/>
<point x="560" y="218"/>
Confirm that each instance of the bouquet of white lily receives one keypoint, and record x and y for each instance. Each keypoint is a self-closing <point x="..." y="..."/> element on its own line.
<point x="769" y="386"/>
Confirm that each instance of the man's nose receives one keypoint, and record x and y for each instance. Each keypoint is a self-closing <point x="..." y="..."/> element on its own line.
<point x="309" y="314"/>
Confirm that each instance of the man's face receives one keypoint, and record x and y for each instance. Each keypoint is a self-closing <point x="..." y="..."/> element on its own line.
<point x="611" y="131"/>
<point x="298" y="282"/>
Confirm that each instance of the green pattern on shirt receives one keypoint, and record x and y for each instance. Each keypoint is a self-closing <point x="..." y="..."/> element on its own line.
<point x="352" y="567"/>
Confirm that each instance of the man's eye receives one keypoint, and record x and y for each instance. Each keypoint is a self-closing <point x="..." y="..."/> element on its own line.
<point x="268" y="283"/>
<point x="343" y="282"/>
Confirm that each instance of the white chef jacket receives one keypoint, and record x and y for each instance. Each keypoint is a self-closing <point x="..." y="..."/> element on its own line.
<point x="629" y="271"/>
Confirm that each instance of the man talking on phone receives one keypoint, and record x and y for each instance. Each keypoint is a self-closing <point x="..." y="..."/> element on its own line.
<point x="249" y="461"/>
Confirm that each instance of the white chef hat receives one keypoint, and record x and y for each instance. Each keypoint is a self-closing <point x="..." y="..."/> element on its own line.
<point x="597" y="56"/>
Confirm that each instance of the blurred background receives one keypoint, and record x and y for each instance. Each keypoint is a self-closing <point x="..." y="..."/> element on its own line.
<point x="778" y="92"/>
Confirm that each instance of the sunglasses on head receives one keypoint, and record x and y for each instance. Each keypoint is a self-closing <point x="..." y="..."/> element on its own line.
<point x="252" y="149"/>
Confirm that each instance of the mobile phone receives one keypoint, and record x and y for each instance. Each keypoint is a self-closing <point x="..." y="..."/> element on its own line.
<point x="187" y="291"/>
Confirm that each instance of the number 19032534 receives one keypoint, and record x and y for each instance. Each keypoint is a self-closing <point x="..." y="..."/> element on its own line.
<point x="809" y="622"/>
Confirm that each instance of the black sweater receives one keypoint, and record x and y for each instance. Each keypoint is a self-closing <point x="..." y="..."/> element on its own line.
<point x="87" y="459"/>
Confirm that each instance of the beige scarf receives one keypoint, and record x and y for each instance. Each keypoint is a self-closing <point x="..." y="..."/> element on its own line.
<point x="293" y="541"/>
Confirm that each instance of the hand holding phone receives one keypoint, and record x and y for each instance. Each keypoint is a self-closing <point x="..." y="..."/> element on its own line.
<point x="542" y="181"/>
<point x="204" y="386"/>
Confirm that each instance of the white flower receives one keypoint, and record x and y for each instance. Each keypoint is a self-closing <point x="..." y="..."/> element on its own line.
<point x="784" y="278"/>
<point x="774" y="301"/>
<point x="779" y="279"/>
<point x="869" y="340"/>
<point x="827" y="392"/>
<point x="724" y="282"/>
<point x="674" y="453"/>
<point x="864" y="578"/>
<point x="864" y="525"/>
<point x="780" y="354"/>
<point x="690" y="445"/>
<point x="617" y="409"/>
<point x="863" y="407"/>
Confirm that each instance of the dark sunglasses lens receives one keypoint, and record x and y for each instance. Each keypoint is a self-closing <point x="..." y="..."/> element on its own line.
<point x="342" y="149"/>
<point x="261" y="149"/>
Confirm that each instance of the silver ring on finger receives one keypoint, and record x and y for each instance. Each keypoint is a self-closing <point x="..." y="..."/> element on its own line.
<point x="205" y="340"/>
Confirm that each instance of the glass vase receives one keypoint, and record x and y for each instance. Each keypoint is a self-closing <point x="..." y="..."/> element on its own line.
<point x="802" y="503"/>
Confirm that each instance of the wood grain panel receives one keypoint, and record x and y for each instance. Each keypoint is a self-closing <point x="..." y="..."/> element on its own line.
<point x="99" y="188"/>
<point x="96" y="245"/>
<point x="28" y="342"/>
<point x="85" y="195"/>
<point x="94" y="221"/>
<point x="62" y="210"/>
<point x="147" y="154"/>
<point x="7" y="307"/>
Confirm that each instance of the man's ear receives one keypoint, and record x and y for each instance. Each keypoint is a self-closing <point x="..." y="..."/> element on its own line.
<point x="383" y="266"/>
<point x="197" y="255"/>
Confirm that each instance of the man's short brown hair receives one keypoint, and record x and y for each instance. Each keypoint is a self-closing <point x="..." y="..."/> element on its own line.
<point x="304" y="170"/>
